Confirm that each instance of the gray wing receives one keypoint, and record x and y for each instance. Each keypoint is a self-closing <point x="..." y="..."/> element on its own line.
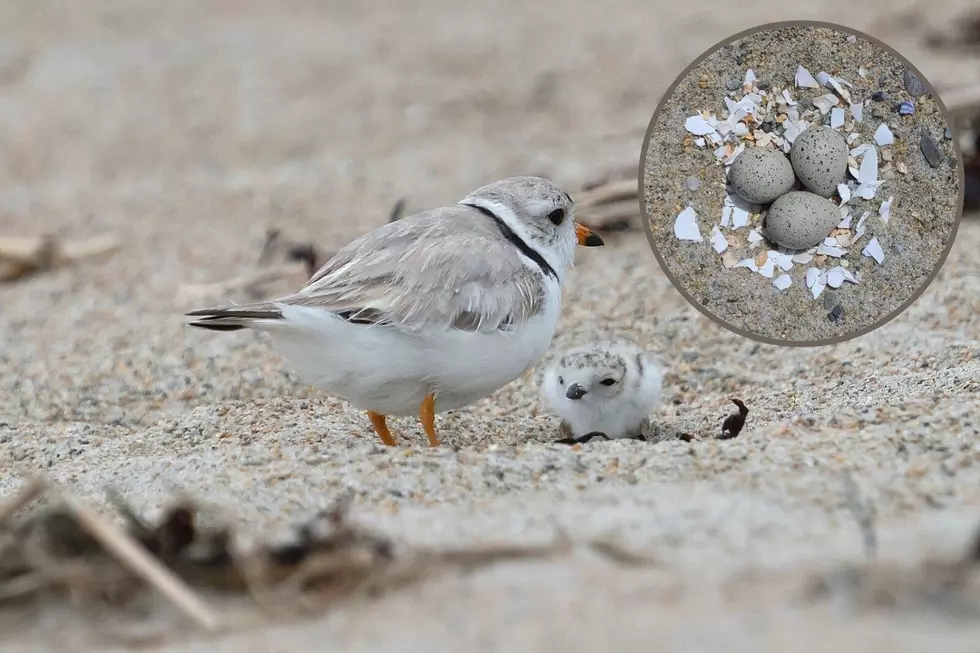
<point x="445" y="268"/>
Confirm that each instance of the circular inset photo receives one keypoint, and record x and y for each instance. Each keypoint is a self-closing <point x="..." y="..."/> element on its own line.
<point x="801" y="184"/>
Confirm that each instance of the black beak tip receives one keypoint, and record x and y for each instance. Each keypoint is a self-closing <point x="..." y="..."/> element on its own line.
<point x="575" y="391"/>
<point x="593" y="240"/>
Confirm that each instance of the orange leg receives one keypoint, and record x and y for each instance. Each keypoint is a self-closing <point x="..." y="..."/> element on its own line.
<point x="381" y="427"/>
<point x="427" y="413"/>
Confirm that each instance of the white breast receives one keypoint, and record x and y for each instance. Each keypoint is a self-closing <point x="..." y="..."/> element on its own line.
<point x="390" y="371"/>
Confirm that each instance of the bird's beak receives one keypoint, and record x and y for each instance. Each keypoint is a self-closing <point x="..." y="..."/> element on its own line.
<point x="586" y="237"/>
<point x="575" y="391"/>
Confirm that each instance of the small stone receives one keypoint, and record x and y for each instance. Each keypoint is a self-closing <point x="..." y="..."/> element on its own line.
<point x="767" y="127"/>
<point x="878" y="97"/>
<point x="906" y="108"/>
<point x="690" y="355"/>
<point x="703" y="82"/>
<point x="897" y="248"/>
<point x="762" y="85"/>
<point x="930" y="150"/>
<point x="693" y="183"/>
<point x="835" y="313"/>
<point x="733" y="84"/>
<point x="882" y="80"/>
<point x="914" y="85"/>
<point x="949" y="134"/>
<point x="830" y="299"/>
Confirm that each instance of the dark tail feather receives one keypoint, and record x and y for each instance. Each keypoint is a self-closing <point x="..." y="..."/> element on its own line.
<point x="216" y="327"/>
<point x="230" y="319"/>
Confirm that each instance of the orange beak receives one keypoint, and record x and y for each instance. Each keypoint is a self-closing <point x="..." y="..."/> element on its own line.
<point x="586" y="237"/>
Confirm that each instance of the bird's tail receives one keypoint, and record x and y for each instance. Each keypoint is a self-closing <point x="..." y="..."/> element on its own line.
<point x="234" y="318"/>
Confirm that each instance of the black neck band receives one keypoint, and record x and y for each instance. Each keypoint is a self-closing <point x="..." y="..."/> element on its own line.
<point x="509" y="234"/>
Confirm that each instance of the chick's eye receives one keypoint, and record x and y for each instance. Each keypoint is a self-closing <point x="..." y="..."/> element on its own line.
<point x="557" y="216"/>
<point x="608" y="382"/>
<point x="561" y="381"/>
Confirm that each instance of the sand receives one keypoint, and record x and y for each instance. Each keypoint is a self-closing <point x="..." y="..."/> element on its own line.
<point x="188" y="128"/>
<point x="925" y="199"/>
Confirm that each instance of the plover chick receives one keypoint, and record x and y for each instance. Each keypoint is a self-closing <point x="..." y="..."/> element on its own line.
<point x="603" y="389"/>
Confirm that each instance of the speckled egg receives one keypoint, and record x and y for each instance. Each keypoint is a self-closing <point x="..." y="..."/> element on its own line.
<point x="819" y="158"/>
<point x="760" y="175"/>
<point x="800" y="220"/>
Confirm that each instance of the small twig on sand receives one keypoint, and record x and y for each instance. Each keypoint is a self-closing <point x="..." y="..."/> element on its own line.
<point x="620" y="555"/>
<point x="34" y="488"/>
<point x="248" y="283"/>
<point x="22" y="257"/>
<point x="132" y="555"/>
<point x="614" y="191"/>
<point x="273" y="237"/>
<point x="610" y="206"/>
<point x="306" y="252"/>
<point x="426" y="563"/>
<point x="864" y="513"/>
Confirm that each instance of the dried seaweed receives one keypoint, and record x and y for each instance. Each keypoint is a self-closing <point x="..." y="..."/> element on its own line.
<point x="67" y="551"/>
<point x="734" y="423"/>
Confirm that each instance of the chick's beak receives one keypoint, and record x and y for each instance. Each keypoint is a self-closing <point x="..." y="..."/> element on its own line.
<point x="586" y="237"/>
<point x="575" y="391"/>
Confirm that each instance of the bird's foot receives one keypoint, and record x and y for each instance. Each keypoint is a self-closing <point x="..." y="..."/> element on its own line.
<point x="380" y="424"/>
<point x="427" y="413"/>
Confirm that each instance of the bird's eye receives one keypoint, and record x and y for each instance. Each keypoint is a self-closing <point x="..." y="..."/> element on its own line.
<point x="557" y="216"/>
<point x="561" y="381"/>
<point x="608" y="382"/>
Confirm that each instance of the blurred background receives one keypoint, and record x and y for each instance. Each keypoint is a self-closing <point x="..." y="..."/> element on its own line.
<point x="184" y="123"/>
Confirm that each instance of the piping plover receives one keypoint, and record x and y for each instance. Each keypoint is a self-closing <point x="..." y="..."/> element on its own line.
<point x="605" y="389"/>
<point x="431" y="312"/>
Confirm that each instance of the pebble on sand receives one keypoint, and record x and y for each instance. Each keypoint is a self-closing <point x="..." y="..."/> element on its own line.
<point x="914" y="85"/>
<point x="930" y="150"/>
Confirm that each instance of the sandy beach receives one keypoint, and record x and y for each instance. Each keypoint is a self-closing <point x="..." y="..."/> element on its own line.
<point x="188" y="129"/>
